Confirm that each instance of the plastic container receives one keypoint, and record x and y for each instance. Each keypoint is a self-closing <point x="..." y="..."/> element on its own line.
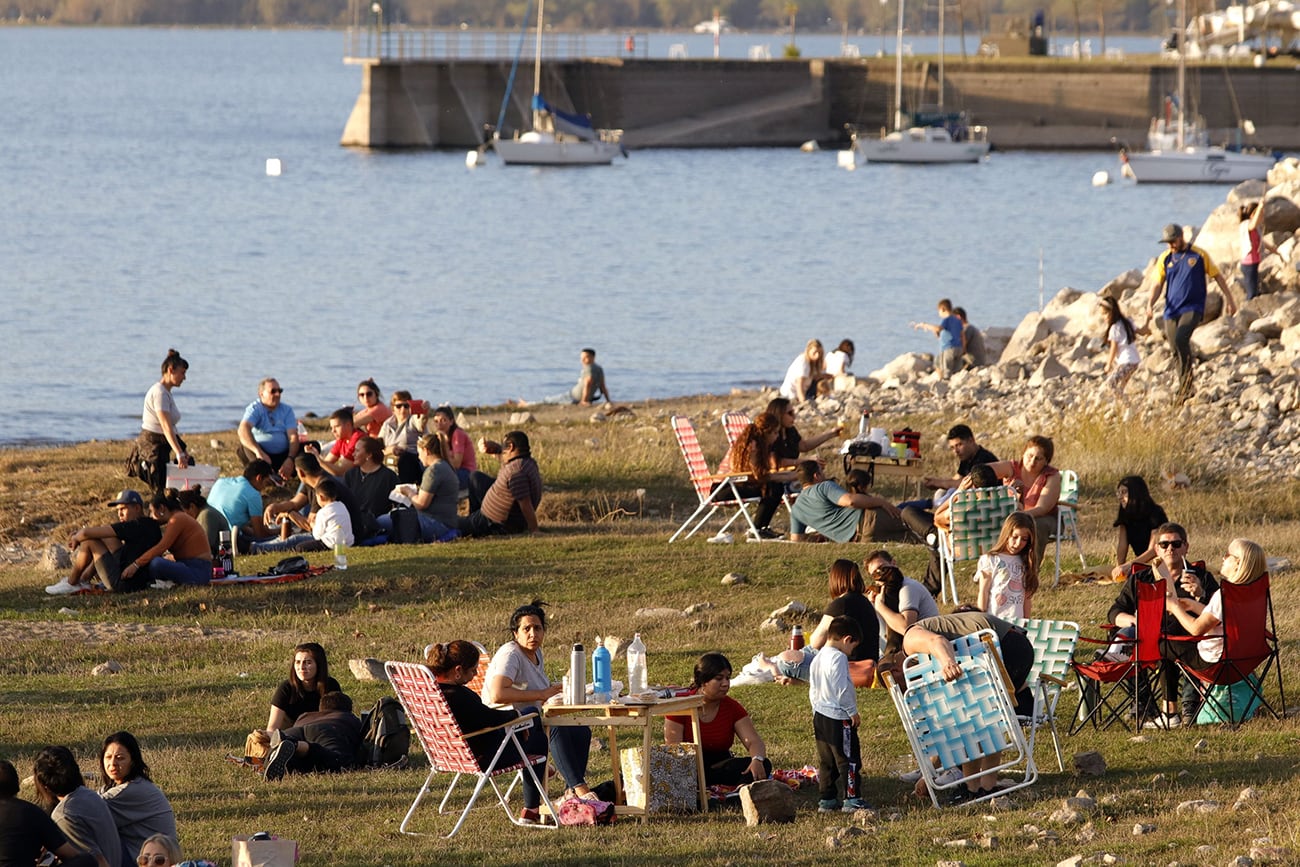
<point x="601" y="675"/>
<point x="341" y="556"/>
<point x="637" y="680"/>
<point x="193" y="476"/>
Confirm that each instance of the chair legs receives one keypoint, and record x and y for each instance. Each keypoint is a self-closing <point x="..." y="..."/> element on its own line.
<point x="1067" y="526"/>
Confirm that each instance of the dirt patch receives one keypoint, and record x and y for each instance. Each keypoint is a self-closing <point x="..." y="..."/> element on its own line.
<point x="104" y="633"/>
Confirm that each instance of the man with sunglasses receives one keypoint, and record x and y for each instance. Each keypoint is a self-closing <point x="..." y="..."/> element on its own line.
<point x="268" y="430"/>
<point x="1191" y="580"/>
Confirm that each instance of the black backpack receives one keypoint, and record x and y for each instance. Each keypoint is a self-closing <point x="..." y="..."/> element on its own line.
<point x="386" y="735"/>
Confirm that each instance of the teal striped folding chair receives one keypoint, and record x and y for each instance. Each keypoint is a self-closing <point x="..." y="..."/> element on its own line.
<point x="977" y="517"/>
<point x="1054" y="642"/>
<point x="952" y="723"/>
<point x="1067" y="528"/>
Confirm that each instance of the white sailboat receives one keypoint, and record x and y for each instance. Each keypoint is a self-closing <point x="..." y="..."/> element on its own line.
<point x="557" y="138"/>
<point x="922" y="144"/>
<point x="1189" y="160"/>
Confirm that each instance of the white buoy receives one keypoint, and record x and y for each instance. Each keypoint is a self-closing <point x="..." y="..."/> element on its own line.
<point x="474" y="158"/>
<point x="846" y="160"/>
<point x="273" y="167"/>
<point x="809" y="146"/>
<point x="1101" y="178"/>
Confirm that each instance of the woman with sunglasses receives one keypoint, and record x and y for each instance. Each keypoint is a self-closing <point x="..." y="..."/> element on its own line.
<point x="372" y="414"/>
<point x="159" y="851"/>
<point x="790" y="444"/>
<point x="400" y="434"/>
<point x="139" y="807"/>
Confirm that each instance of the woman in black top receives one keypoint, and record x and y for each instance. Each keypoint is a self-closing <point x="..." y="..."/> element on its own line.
<point x="1135" y="524"/>
<point x="848" y="599"/>
<point x="309" y="679"/>
<point x="789" y="443"/>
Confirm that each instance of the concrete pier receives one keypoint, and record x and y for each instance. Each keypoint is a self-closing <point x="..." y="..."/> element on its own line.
<point x="1050" y="104"/>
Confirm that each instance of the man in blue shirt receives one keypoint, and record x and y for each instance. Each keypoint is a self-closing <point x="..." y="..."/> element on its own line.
<point x="1180" y="272"/>
<point x="269" y="429"/>
<point x="950" y="343"/>
<point x="825" y="507"/>
<point x="239" y="500"/>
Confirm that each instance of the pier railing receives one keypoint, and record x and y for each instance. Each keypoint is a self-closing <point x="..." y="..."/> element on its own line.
<point x="401" y="42"/>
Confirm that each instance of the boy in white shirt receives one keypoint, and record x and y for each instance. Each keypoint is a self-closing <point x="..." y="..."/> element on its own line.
<point x="835" y="719"/>
<point x="332" y="524"/>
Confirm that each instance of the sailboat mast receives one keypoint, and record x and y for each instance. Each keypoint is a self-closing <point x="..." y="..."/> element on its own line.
<point x="537" y="61"/>
<point x="898" y="71"/>
<point x="1182" y="70"/>
<point x="941" y="53"/>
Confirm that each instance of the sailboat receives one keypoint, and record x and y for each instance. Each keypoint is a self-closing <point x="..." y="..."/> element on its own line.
<point x="951" y="143"/>
<point x="1189" y="160"/>
<point x="557" y="138"/>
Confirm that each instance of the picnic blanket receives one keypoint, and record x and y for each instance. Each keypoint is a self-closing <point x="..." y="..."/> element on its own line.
<point x="236" y="579"/>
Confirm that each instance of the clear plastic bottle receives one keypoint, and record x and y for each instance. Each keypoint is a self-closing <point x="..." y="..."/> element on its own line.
<point x="637" y="680"/>
<point x="864" y="424"/>
<point x="226" y="551"/>
<point x="601" y="675"/>
<point x="302" y="432"/>
<point x="340" y="556"/>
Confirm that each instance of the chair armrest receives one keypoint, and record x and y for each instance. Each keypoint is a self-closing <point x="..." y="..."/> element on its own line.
<point x="1051" y="678"/>
<point x="528" y="717"/>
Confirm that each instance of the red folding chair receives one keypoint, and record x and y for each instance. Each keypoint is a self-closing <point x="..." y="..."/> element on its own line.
<point x="1249" y="640"/>
<point x="447" y="747"/>
<point x="1107" y="688"/>
<point x="711" y="497"/>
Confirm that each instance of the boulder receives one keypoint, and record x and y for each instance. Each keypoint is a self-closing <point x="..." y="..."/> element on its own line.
<point x="904" y="368"/>
<point x="766" y="802"/>
<point x="1122" y="285"/>
<point x="1073" y="313"/>
<point x="56" y="558"/>
<point x="1282" y="208"/>
<point x="1050" y="369"/>
<point x="1031" y="330"/>
<point x="1217" y="337"/>
<point x="368" y="669"/>
<point x="1090" y="764"/>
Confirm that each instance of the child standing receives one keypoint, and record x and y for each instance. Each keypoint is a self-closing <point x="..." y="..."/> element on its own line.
<point x="1008" y="573"/>
<point x="332" y="524"/>
<point x="1123" y="359"/>
<point x="835" y="719"/>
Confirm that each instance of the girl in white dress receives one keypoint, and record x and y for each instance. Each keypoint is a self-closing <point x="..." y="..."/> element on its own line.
<point x="1008" y="573"/>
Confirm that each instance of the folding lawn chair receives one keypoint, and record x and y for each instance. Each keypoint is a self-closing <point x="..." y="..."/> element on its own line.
<point x="1249" y="640"/>
<point x="1067" y="528"/>
<point x="711" y="498"/>
<point x="949" y="724"/>
<point x="734" y="423"/>
<point x="977" y="518"/>
<point x="1054" y="642"/>
<point x="1109" y="687"/>
<point x="447" y="747"/>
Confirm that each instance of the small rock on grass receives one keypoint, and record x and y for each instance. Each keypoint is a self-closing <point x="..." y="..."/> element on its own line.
<point x="734" y="579"/>
<point x="1199" y="805"/>
<point x="1090" y="764"/>
<point x="112" y="666"/>
<point x="368" y="669"/>
<point x="1072" y="861"/>
<point x="1272" y="855"/>
<point x="1139" y="829"/>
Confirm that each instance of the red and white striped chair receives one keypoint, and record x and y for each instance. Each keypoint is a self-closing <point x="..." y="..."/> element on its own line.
<point x="447" y="747"/>
<point x="711" y="498"/>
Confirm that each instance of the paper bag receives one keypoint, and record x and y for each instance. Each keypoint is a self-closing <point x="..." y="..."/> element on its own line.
<point x="674" y="785"/>
<point x="270" y="851"/>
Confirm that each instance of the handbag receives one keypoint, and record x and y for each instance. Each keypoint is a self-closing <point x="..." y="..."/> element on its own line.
<point x="256" y="748"/>
<point x="263" y="850"/>
<point x="1244" y="702"/>
<point x="585" y="811"/>
<point x="406" y="526"/>
<point x="674" y="784"/>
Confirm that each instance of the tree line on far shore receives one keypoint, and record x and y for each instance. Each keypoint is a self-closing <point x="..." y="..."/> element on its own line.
<point x="819" y="15"/>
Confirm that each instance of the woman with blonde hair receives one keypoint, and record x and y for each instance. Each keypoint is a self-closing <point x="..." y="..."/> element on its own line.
<point x="752" y="453"/>
<point x="1244" y="563"/>
<point x="804" y="373"/>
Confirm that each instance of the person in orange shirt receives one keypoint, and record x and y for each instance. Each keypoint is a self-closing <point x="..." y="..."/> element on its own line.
<point x="183" y="537"/>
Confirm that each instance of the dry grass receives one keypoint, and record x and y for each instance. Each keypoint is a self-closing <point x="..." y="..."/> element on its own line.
<point x="199" y="664"/>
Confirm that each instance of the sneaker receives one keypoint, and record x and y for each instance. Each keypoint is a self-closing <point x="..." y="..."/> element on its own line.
<point x="163" y="585"/>
<point x="962" y="795"/>
<point x="943" y="778"/>
<point x="828" y="805"/>
<point x="910" y="776"/>
<point x="1163" y="721"/>
<point x="852" y="805"/>
<point x="63" y="588"/>
<point x="449" y="536"/>
<point x="530" y="817"/>
<point x="722" y="539"/>
<point x="278" y="761"/>
<point x="769" y="533"/>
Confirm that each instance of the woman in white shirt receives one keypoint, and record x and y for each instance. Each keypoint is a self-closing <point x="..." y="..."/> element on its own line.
<point x="1123" y="359"/>
<point x="804" y="373"/>
<point x="159" y="437"/>
<point x="1245" y="562"/>
<point x="838" y="360"/>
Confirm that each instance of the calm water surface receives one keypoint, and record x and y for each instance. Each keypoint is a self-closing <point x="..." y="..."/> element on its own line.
<point x="138" y="216"/>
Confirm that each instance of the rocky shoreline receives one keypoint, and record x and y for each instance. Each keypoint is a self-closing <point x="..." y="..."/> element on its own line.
<point x="1050" y="365"/>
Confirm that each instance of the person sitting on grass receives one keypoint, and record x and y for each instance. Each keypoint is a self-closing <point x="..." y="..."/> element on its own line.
<point x="834" y="703"/>
<point x="826" y="508"/>
<point x="213" y="522"/>
<point x="309" y="679"/>
<point x="138" y="806"/>
<point x="371" y="482"/>
<point x="239" y="500"/>
<point x="104" y="552"/>
<point x="722" y="720"/>
<point x="298" y="511"/>
<point x="507" y="504"/>
<point x="1135" y="525"/>
<point x="79" y="812"/>
<point x="899" y="601"/>
<point x="25" y="830"/>
<point x="331" y="525"/>
<point x="183" y="538"/>
<point x="342" y="454"/>
<point x="326" y="740"/>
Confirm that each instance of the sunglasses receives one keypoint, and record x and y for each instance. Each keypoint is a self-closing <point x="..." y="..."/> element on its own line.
<point x="401" y="406"/>
<point x="1169" y="543"/>
<point x="277" y="391"/>
<point x="152" y="861"/>
<point x="365" y="394"/>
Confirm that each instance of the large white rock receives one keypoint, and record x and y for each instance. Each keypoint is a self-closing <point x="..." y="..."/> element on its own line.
<point x="904" y="368"/>
<point x="1214" y="338"/>
<point x="1050" y="369"/>
<point x="1031" y="330"/>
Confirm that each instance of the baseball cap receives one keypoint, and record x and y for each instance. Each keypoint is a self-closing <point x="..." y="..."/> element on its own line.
<point x="128" y="497"/>
<point x="1172" y="233"/>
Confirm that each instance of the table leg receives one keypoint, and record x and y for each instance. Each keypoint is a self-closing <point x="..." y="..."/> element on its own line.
<point x="699" y="759"/>
<point x="645" y="767"/>
<point x="618" y="766"/>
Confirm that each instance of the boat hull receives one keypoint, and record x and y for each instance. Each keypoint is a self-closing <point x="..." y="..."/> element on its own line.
<point x="524" y="151"/>
<point x="1198" y="166"/>
<point x="886" y="151"/>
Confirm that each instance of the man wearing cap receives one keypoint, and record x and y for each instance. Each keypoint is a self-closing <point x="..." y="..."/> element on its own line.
<point x="106" y="550"/>
<point x="1181" y="272"/>
<point x="268" y="430"/>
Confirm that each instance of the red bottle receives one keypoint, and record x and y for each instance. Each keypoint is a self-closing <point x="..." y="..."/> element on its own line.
<point x="796" y="638"/>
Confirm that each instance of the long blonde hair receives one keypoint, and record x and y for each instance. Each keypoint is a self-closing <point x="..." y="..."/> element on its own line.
<point x="817" y="367"/>
<point x="1251" y="562"/>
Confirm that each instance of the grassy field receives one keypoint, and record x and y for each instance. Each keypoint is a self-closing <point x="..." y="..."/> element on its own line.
<point x="199" y="664"/>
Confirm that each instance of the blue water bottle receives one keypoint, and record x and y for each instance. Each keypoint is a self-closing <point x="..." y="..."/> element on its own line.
<point x="601" y="682"/>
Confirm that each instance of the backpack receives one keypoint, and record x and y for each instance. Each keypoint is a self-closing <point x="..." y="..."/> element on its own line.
<point x="386" y="735"/>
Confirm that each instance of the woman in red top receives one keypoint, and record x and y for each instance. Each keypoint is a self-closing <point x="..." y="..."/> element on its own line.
<point x="184" y="537"/>
<point x="722" y="720"/>
<point x="1038" y="484"/>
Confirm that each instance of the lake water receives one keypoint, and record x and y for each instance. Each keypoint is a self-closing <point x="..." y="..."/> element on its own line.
<point x="139" y="216"/>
